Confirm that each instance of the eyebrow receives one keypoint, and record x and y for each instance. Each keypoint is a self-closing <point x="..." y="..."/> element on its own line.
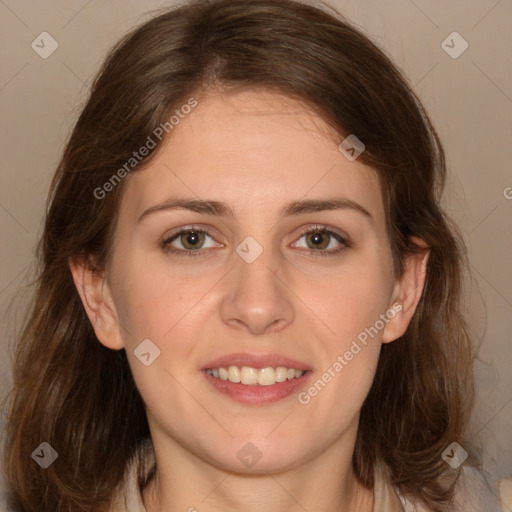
<point x="210" y="207"/>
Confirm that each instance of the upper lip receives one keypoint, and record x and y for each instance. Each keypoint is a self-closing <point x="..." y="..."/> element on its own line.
<point x="257" y="361"/>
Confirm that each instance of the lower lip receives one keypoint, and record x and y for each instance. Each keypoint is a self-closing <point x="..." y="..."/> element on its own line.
<point x="257" y="395"/>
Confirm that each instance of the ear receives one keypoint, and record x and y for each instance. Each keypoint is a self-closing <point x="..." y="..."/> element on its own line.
<point x="407" y="292"/>
<point x="93" y="288"/>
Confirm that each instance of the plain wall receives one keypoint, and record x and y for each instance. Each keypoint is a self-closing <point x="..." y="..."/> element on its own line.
<point x="469" y="99"/>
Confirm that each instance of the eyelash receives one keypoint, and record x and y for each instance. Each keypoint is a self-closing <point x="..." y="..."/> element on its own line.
<point x="313" y="229"/>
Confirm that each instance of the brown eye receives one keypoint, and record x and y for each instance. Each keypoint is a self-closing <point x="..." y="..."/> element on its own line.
<point x="318" y="239"/>
<point x="188" y="242"/>
<point x="322" y="241"/>
<point x="192" y="239"/>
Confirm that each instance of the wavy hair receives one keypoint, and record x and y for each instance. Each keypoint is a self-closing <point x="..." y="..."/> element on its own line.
<point x="72" y="392"/>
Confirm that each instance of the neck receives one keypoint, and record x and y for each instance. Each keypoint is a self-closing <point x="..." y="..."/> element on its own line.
<point x="231" y="494"/>
<point x="189" y="483"/>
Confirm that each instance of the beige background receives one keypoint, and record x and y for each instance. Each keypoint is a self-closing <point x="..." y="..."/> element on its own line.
<point x="469" y="99"/>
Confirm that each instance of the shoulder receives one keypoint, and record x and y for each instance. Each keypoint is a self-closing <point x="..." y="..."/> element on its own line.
<point x="473" y="493"/>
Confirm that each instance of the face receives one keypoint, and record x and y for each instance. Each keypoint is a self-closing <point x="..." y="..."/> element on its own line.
<point x="273" y="278"/>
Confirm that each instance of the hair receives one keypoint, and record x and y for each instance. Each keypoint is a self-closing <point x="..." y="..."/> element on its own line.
<point x="79" y="396"/>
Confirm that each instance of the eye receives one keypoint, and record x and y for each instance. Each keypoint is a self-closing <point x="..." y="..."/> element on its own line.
<point x="319" y="241"/>
<point x="320" y="238"/>
<point x="187" y="242"/>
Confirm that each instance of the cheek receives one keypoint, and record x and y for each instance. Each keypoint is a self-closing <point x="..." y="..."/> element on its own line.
<point x="335" y="398"/>
<point x="350" y="304"/>
<point x="350" y="301"/>
<point x="159" y="305"/>
<point x="152" y="302"/>
<point x="168" y="307"/>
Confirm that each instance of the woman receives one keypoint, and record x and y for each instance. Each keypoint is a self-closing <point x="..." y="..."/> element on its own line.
<point x="249" y="296"/>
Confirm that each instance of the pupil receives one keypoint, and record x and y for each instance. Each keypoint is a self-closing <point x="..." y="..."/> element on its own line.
<point x="192" y="238"/>
<point x="317" y="240"/>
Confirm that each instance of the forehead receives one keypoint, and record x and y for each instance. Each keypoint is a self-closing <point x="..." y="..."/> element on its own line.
<point x="254" y="149"/>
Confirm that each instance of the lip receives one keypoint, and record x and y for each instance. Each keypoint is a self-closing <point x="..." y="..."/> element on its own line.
<point x="258" y="395"/>
<point x="257" y="361"/>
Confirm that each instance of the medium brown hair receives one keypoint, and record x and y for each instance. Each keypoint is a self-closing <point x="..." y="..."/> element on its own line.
<point x="72" y="392"/>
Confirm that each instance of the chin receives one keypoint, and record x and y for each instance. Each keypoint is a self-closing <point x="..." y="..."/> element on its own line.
<point x="254" y="457"/>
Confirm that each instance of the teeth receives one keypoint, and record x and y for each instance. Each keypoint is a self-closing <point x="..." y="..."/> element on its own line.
<point x="255" y="377"/>
<point x="233" y="374"/>
<point x="249" y="376"/>
<point x="266" y="377"/>
<point x="281" y="374"/>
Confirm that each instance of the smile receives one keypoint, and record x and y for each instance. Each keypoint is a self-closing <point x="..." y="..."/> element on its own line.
<point x="249" y="376"/>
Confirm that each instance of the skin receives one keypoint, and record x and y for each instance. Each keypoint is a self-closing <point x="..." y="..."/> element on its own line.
<point x="256" y="151"/>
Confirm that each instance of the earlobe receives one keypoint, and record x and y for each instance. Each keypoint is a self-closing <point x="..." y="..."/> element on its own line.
<point x="407" y="292"/>
<point x="94" y="292"/>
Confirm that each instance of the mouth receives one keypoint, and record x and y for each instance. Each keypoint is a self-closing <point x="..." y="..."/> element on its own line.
<point x="249" y="376"/>
<point x="256" y="379"/>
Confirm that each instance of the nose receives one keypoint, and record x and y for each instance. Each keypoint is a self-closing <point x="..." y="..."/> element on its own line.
<point x="257" y="298"/>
